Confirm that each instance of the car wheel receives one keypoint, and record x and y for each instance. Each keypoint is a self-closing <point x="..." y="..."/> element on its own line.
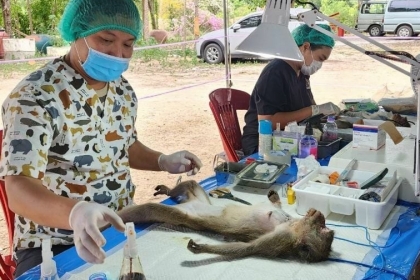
<point x="375" y="30"/>
<point x="213" y="54"/>
<point x="404" y="31"/>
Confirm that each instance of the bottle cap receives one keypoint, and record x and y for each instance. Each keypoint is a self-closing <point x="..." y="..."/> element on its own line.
<point x="331" y="118"/>
<point x="308" y="129"/>
<point x="264" y="127"/>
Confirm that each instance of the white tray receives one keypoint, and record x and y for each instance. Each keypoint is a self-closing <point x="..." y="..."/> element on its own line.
<point x="343" y="200"/>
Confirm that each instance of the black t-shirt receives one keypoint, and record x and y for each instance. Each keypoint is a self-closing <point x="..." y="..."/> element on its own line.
<point x="278" y="89"/>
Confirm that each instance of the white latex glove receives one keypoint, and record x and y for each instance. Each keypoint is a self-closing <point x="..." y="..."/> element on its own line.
<point x="328" y="108"/>
<point x="180" y="162"/>
<point x="86" y="218"/>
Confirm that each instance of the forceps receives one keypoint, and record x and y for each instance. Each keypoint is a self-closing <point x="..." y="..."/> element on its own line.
<point x="225" y="193"/>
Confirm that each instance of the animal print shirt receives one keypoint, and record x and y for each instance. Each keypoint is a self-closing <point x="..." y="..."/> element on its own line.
<point x="57" y="130"/>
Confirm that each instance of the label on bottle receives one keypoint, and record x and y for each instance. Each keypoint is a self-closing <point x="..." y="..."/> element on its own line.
<point x="289" y="144"/>
<point x="264" y="144"/>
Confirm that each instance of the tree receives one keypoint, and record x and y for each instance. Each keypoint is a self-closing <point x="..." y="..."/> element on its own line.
<point x="28" y="7"/>
<point x="7" y="16"/>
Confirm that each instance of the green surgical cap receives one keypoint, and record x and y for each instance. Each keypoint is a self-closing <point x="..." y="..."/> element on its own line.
<point x="304" y="33"/>
<point x="82" y="18"/>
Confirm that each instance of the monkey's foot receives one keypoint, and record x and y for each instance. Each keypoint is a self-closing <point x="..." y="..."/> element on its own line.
<point x="316" y="216"/>
<point x="162" y="189"/>
<point x="274" y="197"/>
<point x="194" y="247"/>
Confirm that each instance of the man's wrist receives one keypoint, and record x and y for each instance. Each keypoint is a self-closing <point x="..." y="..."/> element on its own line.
<point x="160" y="158"/>
<point x="315" y="110"/>
<point x="74" y="209"/>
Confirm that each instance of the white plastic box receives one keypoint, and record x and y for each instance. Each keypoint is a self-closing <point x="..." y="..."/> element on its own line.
<point x="344" y="200"/>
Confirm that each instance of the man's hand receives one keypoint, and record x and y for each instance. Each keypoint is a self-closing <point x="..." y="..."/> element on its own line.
<point x="180" y="162"/>
<point x="86" y="218"/>
<point x="328" y="108"/>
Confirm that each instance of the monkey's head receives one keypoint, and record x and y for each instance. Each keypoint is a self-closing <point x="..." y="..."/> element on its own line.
<point x="314" y="238"/>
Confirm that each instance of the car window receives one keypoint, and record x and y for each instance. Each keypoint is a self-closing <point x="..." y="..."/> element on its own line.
<point x="373" y="8"/>
<point x="251" y="22"/>
<point x="404" y="6"/>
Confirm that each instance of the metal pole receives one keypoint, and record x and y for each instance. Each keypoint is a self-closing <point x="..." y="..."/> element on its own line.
<point x="227" y="43"/>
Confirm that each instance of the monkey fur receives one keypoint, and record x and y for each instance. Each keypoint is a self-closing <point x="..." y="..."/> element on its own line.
<point x="263" y="229"/>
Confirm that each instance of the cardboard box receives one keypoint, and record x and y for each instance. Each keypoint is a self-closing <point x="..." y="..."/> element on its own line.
<point x="372" y="134"/>
<point x="357" y="105"/>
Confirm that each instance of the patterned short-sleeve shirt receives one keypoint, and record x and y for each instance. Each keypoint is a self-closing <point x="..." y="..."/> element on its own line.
<point x="57" y="130"/>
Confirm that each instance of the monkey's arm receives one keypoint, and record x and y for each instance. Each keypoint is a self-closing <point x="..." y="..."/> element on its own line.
<point x="278" y="243"/>
<point x="154" y="212"/>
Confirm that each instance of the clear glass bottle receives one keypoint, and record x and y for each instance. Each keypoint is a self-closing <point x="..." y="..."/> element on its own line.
<point x="308" y="145"/>
<point x="277" y="138"/>
<point x="330" y="130"/>
<point x="131" y="268"/>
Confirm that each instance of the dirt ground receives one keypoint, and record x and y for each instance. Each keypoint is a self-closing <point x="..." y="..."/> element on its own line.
<point x="174" y="113"/>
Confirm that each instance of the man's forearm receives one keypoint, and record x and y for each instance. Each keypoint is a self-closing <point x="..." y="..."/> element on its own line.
<point x="143" y="158"/>
<point x="27" y="197"/>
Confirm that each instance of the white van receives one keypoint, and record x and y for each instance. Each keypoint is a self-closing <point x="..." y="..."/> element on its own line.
<point x="370" y="17"/>
<point x="402" y="17"/>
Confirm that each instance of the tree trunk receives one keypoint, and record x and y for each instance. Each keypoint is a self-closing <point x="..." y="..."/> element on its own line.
<point x="145" y="19"/>
<point x="196" y="22"/>
<point x="7" y="16"/>
<point x="152" y="10"/>
<point x="31" y="27"/>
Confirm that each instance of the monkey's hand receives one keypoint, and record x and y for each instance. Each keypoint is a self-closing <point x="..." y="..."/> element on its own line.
<point x="194" y="247"/>
<point x="274" y="197"/>
<point x="162" y="189"/>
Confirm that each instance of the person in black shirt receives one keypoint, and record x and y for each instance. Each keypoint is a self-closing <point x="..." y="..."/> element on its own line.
<point x="283" y="93"/>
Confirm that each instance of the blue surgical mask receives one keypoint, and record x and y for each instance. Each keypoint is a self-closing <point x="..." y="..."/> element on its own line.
<point x="103" y="67"/>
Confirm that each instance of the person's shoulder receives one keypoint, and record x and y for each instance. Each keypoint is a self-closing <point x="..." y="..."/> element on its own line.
<point x="45" y="72"/>
<point x="277" y="64"/>
<point x="276" y="67"/>
<point x="42" y="82"/>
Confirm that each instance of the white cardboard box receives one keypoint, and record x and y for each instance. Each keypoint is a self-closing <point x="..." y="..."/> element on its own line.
<point x="343" y="200"/>
<point x="372" y="134"/>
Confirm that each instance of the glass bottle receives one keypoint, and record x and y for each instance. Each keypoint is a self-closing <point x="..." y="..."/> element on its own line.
<point x="330" y="130"/>
<point x="131" y="268"/>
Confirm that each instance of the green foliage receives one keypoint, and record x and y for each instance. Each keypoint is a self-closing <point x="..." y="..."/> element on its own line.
<point x="347" y="10"/>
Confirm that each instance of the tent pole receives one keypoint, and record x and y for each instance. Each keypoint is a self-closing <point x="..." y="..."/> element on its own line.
<point x="227" y="45"/>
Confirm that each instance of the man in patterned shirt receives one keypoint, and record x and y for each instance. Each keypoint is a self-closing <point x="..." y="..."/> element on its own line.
<point x="70" y="140"/>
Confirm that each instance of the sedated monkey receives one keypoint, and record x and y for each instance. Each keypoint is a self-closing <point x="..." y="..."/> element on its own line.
<point x="262" y="229"/>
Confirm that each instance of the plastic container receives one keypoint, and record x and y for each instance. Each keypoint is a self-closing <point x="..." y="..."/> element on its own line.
<point x="342" y="200"/>
<point x="265" y="137"/>
<point x="330" y="130"/>
<point x="308" y="145"/>
<point x="326" y="148"/>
